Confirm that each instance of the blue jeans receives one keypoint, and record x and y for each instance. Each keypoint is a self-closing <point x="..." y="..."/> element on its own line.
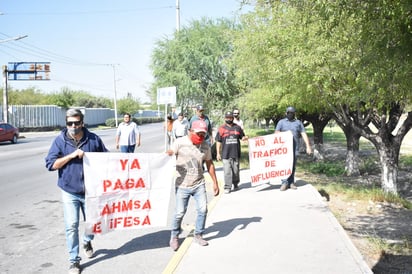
<point x="231" y="172"/>
<point x="127" y="149"/>
<point x="72" y="204"/>
<point x="182" y="201"/>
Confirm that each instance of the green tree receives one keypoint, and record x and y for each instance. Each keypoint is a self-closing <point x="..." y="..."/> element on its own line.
<point x="29" y="96"/>
<point x="64" y="99"/>
<point x="128" y="105"/>
<point x="195" y="61"/>
<point x="348" y="57"/>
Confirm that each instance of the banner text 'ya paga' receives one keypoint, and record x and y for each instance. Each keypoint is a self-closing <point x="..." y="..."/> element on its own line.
<point x="127" y="190"/>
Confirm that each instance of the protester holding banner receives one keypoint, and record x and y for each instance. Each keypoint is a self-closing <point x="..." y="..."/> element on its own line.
<point x="127" y="135"/>
<point x="66" y="156"/>
<point x="228" y="140"/>
<point x="290" y="123"/>
<point x="190" y="152"/>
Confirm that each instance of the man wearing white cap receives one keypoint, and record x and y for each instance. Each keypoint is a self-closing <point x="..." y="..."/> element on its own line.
<point x="191" y="151"/>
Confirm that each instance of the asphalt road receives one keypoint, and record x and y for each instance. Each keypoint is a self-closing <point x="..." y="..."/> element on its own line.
<point x="31" y="219"/>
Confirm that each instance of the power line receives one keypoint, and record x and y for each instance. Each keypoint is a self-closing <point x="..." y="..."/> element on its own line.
<point x="29" y="49"/>
<point x="87" y="12"/>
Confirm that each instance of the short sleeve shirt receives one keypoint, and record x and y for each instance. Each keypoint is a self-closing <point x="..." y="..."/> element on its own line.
<point x="295" y="126"/>
<point x="189" y="162"/>
<point x="128" y="133"/>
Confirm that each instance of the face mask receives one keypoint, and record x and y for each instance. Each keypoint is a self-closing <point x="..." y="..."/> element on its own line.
<point x="229" y="122"/>
<point x="196" y="139"/>
<point x="290" y="116"/>
<point x="74" y="131"/>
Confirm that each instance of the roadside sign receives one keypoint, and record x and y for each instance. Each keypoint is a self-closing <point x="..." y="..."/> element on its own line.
<point x="166" y="95"/>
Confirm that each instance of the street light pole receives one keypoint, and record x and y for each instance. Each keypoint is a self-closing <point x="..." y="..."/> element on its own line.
<point x="177" y="16"/>
<point x="5" y="76"/>
<point x="13" y="38"/>
<point x="5" y="102"/>
<point x="115" y="93"/>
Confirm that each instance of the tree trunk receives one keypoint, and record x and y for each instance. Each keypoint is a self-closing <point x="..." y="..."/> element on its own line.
<point x="387" y="121"/>
<point x="352" y="153"/>
<point x="319" y="122"/>
<point x="267" y="121"/>
<point x="352" y="148"/>
<point x="388" y="150"/>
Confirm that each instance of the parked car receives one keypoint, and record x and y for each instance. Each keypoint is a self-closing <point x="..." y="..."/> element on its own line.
<point x="8" y="133"/>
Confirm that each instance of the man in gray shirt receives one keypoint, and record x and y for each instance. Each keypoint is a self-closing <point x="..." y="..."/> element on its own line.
<point x="290" y="123"/>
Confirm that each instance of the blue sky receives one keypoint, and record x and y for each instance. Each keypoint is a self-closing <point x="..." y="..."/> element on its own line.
<point x="79" y="37"/>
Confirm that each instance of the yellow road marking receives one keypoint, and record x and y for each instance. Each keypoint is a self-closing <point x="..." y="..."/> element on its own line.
<point x="178" y="256"/>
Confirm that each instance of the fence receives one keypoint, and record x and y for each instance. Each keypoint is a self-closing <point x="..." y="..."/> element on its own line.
<point x="44" y="116"/>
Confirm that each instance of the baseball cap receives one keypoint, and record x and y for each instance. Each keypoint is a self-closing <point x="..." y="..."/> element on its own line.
<point x="290" y="109"/>
<point x="229" y="114"/>
<point x="199" y="107"/>
<point x="199" y="126"/>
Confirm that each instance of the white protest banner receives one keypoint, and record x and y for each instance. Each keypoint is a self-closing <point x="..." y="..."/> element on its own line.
<point x="127" y="190"/>
<point x="270" y="157"/>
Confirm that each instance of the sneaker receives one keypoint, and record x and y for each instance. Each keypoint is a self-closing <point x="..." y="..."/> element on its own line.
<point x="292" y="186"/>
<point x="174" y="243"/>
<point x="235" y="187"/>
<point x="283" y="187"/>
<point x="74" y="268"/>
<point x="199" y="239"/>
<point x="227" y="191"/>
<point x="88" y="249"/>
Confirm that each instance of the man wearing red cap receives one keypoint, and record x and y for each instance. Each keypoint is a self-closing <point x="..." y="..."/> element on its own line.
<point x="191" y="151"/>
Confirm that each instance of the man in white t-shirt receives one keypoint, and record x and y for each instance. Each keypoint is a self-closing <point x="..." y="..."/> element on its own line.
<point x="180" y="127"/>
<point x="127" y="135"/>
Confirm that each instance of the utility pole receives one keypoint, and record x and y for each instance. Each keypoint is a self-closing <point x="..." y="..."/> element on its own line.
<point x="5" y="76"/>
<point x="5" y="96"/>
<point x="115" y="93"/>
<point x="177" y="16"/>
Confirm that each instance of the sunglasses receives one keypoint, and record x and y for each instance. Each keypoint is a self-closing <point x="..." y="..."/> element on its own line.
<point x="76" y="123"/>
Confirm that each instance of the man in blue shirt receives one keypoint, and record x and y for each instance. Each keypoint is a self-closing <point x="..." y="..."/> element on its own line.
<point x="290" y="123"/>
<point x="66" y="156"/>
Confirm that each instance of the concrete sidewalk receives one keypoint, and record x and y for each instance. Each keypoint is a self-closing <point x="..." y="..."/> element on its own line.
<point x="263" y="230"/>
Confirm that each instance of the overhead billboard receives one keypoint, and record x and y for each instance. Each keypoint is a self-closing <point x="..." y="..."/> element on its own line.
<point x="28" y="71"/>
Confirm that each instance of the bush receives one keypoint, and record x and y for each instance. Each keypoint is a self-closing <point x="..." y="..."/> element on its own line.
<point x="330" y="169"/>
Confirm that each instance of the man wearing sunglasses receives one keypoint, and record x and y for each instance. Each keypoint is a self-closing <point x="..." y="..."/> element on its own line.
<point x="66" y="156"/>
